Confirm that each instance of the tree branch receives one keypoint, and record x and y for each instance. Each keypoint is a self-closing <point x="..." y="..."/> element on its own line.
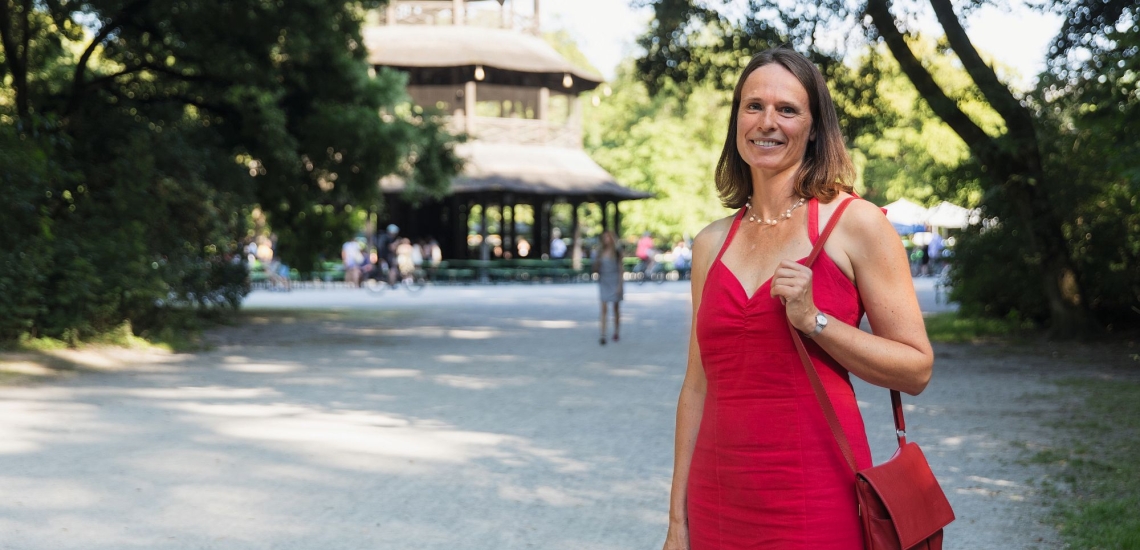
<point x="13" y="56"/>
<point x="6" y="33"/>
<point x="1017" y="118"/>
<point x="81" y="66"/>
<point x="942" y="105"/>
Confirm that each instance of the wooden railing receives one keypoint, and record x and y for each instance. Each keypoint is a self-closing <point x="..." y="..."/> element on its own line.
<point x="432" y="13"/>
<point x="523" y="131"/>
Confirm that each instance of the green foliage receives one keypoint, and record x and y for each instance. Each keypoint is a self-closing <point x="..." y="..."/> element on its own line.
<point x="1089" y="149"/>
<point x="904" y="150"/>
<point x="664" y="145"/>
<point x="956" y="327"/>
<point x="137" y="137"/>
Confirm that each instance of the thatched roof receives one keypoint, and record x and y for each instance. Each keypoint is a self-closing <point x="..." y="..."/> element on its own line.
<point x="447" y="54"/>
<point x="536" y="170"/>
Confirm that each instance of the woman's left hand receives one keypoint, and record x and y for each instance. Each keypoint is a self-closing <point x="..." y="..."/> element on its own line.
<point x="792" y="284"/>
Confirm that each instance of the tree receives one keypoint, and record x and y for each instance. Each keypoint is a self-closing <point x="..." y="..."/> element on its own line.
<point x="666" y="145"/>
<point x="162" y="123"/>
<point x="1016" y="183"/>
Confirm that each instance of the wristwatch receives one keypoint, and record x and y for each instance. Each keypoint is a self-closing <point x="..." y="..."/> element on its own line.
<point x="820" y="323"/>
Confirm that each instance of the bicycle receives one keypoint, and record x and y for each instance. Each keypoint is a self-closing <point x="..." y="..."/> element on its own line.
<point x="649" y="269"/>
<point x="412" y="280"/>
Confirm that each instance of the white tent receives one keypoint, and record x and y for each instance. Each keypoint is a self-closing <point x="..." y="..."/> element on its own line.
<point x="904" y="212"/>
<point x="951" y="216"/>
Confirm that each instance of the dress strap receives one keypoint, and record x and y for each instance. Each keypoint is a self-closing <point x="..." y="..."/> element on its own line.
<point x="813" y="220"/>
<point x="731" y="233"/>
<point x="826" y="230"/>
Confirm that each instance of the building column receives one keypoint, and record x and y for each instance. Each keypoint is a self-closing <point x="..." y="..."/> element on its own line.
<point x="617" y="220"/>
<point x="459" y="230"/>
<point x="390" y="13"/>
<point x="513" y="230"/>
<point x="576" y="238"/>
<point x="543" y="103"/>
<point x="536" y="229"/>
<point x="457" y="15"/>
<point x="469" y="107"/>
<point x="605" y="206"/>
<point x="537" y="26"/>
<point x="484" y="247"/>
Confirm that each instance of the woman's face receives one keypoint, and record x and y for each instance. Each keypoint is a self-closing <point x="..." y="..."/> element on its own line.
<point x="774" y="124"/>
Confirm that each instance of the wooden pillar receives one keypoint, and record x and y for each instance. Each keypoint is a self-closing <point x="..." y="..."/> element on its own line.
<point x="537" y="26"/>
<point x="617" y="220"/>
<point x="543" y="103"/>
<point x="574" y="112"/>
<point x="458" y="244"/>
<point x="484" y="247"/>
<point x="576" y="237"/>
<point x="469" y="107"/>
<point x="513" y="229"/>
<point x="605" y="206"/>
<point x="457" y="12"/>
<point x="536" y="230"/>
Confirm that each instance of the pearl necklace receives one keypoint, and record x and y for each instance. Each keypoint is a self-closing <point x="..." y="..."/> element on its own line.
<point x="787" y="213"/>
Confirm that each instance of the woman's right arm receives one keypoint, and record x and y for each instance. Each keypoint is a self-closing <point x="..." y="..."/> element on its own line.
<point x="691" y="402"/>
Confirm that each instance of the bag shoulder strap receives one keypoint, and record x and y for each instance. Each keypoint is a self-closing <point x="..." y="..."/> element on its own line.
<point x="813" y="376"/>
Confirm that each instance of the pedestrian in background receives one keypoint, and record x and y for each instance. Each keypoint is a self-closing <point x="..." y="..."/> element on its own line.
<point x="606" y="263"/>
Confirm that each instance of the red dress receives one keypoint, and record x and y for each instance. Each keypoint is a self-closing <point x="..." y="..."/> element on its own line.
<point x="766" y="471"/>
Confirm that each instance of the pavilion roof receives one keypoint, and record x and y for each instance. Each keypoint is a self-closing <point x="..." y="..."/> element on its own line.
<point x="447" y="54"/>
<point x="531" y="170"/>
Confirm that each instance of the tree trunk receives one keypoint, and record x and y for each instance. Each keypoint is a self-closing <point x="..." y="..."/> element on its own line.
<point x="1013" y="160"/>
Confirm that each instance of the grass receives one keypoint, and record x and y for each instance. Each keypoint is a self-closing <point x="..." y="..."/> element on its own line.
<point x="1100" y="509"/>
<point x="950" y="327"/>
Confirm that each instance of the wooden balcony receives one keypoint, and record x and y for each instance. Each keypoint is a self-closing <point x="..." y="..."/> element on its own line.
<point x="412" y="12"/>
<point x="521" y="131"/>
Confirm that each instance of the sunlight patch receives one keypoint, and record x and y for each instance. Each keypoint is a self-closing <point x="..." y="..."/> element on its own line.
<point x="542" y="323"/>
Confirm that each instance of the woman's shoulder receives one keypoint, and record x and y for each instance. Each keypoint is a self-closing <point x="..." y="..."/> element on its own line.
<point x="713" y="235"/>
<point x="863" y="227"/>
<point x="708" y="242"/>
<point x="859" y="216"/>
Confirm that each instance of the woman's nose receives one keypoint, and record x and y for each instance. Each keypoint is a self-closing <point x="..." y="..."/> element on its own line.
<point x="768" y="120"/>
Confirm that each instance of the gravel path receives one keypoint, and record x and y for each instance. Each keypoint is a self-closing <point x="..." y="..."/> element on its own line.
<point x="470" y="417"/>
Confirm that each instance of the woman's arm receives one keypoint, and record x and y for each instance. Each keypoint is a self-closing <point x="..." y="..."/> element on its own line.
<point x="691" y="402"/>
<point x="898" y="354"/>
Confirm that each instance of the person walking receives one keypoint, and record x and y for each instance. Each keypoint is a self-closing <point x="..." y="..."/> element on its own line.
<point x="756" y="464"/>
<point x="352" y="258"/>
<point x="607" y="265"/>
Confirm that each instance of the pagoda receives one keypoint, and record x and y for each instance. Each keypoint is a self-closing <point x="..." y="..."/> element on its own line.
<point x="484" y="64"/>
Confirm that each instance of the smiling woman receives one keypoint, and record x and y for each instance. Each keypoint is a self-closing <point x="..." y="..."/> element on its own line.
<point x="756" y="462"/>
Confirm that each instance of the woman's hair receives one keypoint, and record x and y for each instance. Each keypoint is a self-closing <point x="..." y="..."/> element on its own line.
<point x="826" y="168"/>
<point x="608" y="244"/>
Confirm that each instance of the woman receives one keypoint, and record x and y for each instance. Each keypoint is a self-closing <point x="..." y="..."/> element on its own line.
<point x="756" y="465"/>
<point x="607" y="264"/>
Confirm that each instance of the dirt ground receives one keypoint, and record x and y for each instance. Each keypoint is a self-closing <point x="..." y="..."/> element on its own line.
<point x="466" y="417"/>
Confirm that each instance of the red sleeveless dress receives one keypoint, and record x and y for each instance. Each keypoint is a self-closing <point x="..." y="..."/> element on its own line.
<point x="766" y="471"/>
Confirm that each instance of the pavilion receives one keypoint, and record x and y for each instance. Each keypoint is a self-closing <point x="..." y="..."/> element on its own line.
<point x="517" y="99"/>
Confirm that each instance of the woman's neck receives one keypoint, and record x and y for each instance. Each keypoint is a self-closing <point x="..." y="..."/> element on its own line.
<point x="772" y="194"/>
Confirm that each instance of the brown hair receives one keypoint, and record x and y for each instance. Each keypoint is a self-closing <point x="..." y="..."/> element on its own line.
<point x="826" y="168"/>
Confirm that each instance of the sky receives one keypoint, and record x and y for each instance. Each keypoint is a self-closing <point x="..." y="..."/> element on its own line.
<point x="606" y="31"/>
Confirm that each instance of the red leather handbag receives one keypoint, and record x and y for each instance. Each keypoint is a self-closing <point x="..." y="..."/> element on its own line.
<point x="901" y="505"/>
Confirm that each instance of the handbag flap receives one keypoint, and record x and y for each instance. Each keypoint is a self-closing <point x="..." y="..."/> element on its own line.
<point x="911" y="494"/>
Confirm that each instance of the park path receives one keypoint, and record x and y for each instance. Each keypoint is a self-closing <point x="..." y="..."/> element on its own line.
<point x="482" y="417"/>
